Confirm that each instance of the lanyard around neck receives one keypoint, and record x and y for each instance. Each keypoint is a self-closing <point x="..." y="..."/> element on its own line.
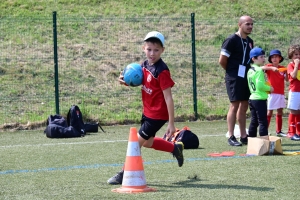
<point x="244" y="47"/>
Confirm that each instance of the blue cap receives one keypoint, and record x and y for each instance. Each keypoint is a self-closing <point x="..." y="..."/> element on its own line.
<point x="256" y="51"/>
<point x="275" y="52"/>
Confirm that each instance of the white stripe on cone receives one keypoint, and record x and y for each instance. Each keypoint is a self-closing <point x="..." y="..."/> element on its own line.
<point x="134" y="178"/>
<point x="134" y="149"/>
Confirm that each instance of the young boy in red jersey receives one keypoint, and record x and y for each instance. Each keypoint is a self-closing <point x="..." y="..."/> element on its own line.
<point x="276" y="99"/>
<point x="294" y="92"/>
<point x="158" y="105"/>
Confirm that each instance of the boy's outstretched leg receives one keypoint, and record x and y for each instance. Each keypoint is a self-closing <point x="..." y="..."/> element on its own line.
<point x="176" y="149"/>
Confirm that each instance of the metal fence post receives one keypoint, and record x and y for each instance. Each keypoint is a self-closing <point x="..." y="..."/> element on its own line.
<point x="55" y="62"/>
<point x="194" y="65"/>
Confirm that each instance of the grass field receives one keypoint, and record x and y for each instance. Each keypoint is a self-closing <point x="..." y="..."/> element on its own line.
<point x="35" y="167"/>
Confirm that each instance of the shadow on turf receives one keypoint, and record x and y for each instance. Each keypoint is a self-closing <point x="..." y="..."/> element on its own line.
<point x="194" y="182"/>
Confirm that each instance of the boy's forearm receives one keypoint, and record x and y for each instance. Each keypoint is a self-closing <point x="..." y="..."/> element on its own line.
<point x="170" y="106"/>
<point x="294" y="73"/>
<point x="268" y="68"/>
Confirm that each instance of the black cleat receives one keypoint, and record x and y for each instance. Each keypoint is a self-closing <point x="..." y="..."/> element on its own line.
<point x="281" y="134"/>
<point x="244" y="140"/>
<point x="233" y="142"/>
<point x="177" y="153"/>
<point x="295" y="137"/>
<point x="116" y="179"/>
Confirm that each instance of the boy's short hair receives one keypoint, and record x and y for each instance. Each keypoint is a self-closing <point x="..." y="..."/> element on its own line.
<point x="292" y="50"/>
<point x="154" y="41"/>
<point x="155" y="37"/>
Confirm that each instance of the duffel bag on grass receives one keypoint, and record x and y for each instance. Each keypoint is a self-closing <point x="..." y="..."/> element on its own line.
<point x="186" y="136"/>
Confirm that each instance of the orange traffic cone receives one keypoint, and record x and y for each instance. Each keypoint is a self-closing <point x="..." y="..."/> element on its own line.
<point x="134" y="180"/>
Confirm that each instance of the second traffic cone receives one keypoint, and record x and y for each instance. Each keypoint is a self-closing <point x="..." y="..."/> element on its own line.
<point x="134" y="180"/>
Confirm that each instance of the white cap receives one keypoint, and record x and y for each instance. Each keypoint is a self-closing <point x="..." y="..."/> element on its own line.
<point x="155" y="34"/>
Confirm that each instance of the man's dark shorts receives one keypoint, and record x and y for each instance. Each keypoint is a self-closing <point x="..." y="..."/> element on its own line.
<point x="149" y="127"/>
<point x="237" y="89"/>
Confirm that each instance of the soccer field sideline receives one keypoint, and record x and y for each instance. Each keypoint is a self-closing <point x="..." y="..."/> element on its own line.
<point x="77" y="143"/>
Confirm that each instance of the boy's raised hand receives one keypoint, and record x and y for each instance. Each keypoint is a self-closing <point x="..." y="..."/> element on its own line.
<point x="296" y="61"/>
<point x="121" y="79"/>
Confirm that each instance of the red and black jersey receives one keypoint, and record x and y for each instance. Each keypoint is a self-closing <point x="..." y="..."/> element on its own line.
<point x="156" y="78"/>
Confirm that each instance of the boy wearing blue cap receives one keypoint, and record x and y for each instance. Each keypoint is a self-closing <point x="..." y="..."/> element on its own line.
<point x="259" y="94"/>
<point x="276" y="74"/>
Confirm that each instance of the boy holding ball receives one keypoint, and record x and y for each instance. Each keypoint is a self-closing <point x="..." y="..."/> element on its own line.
<point x="158" y="105"/>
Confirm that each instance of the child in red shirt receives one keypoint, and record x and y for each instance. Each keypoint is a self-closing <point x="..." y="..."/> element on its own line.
<point x="276" y="75"/>
<point x="158" y="105"/>
<point x="294" y="92"/>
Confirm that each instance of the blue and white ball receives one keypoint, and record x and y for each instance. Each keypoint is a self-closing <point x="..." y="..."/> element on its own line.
<point x="133" y="74"/>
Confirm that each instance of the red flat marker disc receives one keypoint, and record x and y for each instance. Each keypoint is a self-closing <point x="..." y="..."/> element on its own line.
<point x="228" y="153"/>
<point x="214" y="154"/>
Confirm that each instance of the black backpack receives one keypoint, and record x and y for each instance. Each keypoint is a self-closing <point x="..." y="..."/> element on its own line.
<point x="74" y="119"/>
<point x="57" y="127"/>
<point x="186" y="136"/>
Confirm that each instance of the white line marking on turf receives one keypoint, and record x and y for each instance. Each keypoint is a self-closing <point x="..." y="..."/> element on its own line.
<point x="62" y="143"/>
<point x="76" y="143"/>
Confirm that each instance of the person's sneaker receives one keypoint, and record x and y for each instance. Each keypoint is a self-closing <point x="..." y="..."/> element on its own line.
<point x="244" y="140"/>
<point x="177" y="153"/>
<point x="116" y="179"/>
<point x="281" y="134"/>
<point x="295" y="137"/>
<point x="233" y="142"/>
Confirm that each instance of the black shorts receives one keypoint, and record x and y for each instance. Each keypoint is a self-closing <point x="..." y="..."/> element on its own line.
<point x="237" y="89"/>
<point x="149" y="127"/>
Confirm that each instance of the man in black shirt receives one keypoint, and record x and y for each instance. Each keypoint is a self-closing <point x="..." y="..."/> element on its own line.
<point x="234" y="59"/>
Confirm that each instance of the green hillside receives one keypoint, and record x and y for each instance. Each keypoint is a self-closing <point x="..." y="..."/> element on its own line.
<point x="204" y="9"/>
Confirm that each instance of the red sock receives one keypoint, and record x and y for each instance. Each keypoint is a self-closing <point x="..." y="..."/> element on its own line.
<point x="278" y="123"/>
<point x="162" y="145"/>
<point x="298" y="124"/>
<point x="292" y="127"/>
<point x="269" y="120"/>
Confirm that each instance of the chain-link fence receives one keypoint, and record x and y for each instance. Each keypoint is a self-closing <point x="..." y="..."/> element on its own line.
<point x="93" y="51"/>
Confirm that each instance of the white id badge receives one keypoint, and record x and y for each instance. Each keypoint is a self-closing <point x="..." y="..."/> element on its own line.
<point x="242" y="70"/>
